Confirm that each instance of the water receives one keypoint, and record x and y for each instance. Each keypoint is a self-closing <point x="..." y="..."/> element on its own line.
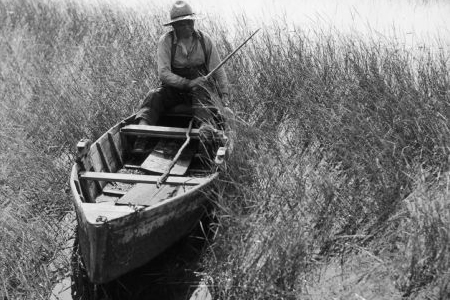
<point x="412" y="23"/>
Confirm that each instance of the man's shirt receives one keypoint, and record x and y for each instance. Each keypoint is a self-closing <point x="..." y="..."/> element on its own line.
<point x="185" y="58"/>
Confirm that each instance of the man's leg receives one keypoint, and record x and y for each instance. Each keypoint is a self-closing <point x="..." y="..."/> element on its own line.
<point x="155" y="104"/>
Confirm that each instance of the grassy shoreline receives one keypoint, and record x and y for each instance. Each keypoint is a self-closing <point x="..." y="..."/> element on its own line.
<point x="341" y="164"/>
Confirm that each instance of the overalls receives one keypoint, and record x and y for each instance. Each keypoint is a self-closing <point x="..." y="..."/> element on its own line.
<point x="166" y="98"/>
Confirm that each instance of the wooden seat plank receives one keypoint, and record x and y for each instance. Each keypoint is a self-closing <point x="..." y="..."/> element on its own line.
<point x="161" y="131"/>
<point x="163" y="154"/>
<point x="133" y="178"/>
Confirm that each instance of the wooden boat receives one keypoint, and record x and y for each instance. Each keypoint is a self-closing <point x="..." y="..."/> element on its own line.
<point x="127" y="212"/>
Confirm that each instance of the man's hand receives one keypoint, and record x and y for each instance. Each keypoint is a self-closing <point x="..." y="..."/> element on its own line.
<point x="199" y="81"/>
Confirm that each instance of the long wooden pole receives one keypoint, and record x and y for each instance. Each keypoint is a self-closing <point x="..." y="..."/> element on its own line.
<point x="177" y="156"/>
<point x="231" y="54"/>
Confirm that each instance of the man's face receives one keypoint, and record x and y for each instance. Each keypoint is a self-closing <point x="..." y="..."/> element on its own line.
<point x="184" y="28"/>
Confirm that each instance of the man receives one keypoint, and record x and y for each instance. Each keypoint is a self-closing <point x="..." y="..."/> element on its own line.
<point x="184" y="57"/>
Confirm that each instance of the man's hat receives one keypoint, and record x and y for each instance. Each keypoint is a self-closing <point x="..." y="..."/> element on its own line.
<point x="181" y="11"/>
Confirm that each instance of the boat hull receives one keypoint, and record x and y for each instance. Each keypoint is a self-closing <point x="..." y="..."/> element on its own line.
<point x="115" y="238"/>
<point x="116" y="247"/>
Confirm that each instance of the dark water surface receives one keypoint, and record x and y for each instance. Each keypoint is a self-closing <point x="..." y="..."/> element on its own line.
<point x="173" y="275"/>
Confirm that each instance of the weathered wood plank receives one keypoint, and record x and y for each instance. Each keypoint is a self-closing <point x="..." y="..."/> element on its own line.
<point x="148" y="194"/>
<point x="132" y="178"/>
<point x="164" y="152"/>
<point x="96" y="163"/>
<point x="115" y="150"/>
<point x="89" y="189"/>
<point x="95" y="159"/>
<point x="160" y="131"/>
<point x="134" y="167"/>
<point x="123" y="142"/>
<point x="119" y="187"/>
<point x="104" y="159"/>
<point x="106" y="149"/>
<point x="109" y="210"/>
<point x="107" y="191"/>
<point x="107" y="198"/>
<point x="78" y="187"/>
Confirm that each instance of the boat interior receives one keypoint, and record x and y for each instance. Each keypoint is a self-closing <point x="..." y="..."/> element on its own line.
<point x="110" y="172"/>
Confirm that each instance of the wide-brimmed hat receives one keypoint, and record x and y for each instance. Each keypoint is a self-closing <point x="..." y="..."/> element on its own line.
<point x="181" y="11"/>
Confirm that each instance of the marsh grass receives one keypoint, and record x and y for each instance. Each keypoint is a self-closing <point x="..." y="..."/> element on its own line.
<point x="341" y="151"/>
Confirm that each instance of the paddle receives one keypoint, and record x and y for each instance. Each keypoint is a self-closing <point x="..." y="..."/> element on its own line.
<point x="177" y="156"/>
<point x="231" y="54"/>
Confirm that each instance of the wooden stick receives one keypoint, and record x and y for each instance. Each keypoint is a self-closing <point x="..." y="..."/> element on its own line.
<point x="135" y="178"/>
<point x="177" y="156"/>
<point x="230" y="55"/>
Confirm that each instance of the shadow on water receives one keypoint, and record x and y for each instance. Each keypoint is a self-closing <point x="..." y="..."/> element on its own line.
<point x="173" y="275"/>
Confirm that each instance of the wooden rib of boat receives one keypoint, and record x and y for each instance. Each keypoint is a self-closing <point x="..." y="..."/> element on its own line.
<point x="127" y="212"/>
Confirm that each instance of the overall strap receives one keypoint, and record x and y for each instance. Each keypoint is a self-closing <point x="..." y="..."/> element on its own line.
<point x="174" y="48"/>
<point x="202" y="42"/>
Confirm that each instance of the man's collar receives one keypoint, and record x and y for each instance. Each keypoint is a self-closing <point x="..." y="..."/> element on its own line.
<point x="175" y="38"/>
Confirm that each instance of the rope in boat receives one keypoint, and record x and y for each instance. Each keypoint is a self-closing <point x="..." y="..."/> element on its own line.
<point x="165" y="175"/>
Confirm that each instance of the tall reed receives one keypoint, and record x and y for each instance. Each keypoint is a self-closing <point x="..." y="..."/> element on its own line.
<point x="342" y="148"/>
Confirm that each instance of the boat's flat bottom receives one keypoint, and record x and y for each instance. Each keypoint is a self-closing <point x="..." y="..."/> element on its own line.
<point x="146" y="194"/>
